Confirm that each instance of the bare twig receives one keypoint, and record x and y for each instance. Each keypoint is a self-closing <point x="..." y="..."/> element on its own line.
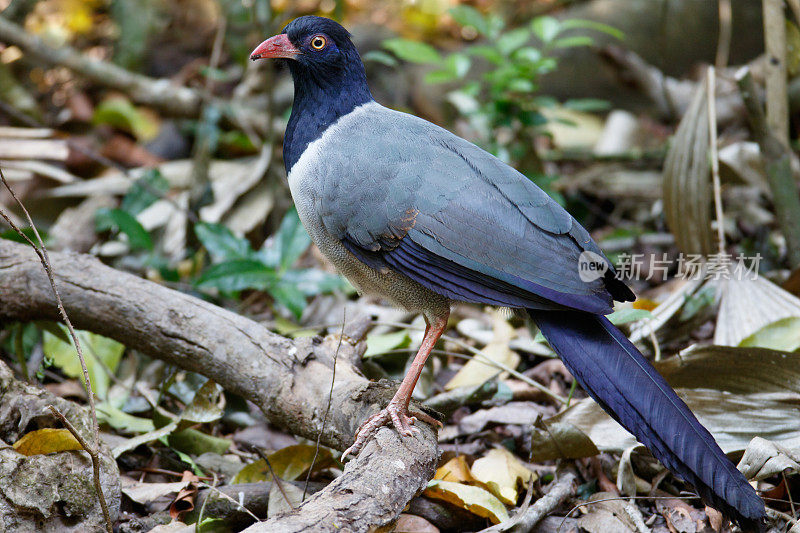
<point x="278" y="481"/>
<point x="724" y="39"/>
<point x="562" y="488"/>
<point x="712" y="142"/>
<point x="328" y="406"/>
<point x="94" y="450"/>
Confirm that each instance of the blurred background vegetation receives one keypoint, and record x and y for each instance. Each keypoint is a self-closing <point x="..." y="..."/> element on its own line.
<point x="139" y="132"/>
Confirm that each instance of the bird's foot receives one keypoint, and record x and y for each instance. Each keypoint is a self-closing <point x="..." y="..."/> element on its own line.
<point x="395" y="413"/>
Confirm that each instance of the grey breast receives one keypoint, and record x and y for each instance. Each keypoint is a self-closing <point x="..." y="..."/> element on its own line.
<point x="324" y="182"/>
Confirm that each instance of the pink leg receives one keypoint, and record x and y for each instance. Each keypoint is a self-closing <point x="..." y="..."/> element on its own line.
<point x="397" y="410"/>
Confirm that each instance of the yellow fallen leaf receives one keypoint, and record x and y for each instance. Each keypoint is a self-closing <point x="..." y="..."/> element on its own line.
<point x="288" y="463"/>
<point x="456" y="470"/>
<point x="46" y="440"/>
<point x="474" y="499"/>
<point x="476" y="372"/>
<point x="502" y="473"/>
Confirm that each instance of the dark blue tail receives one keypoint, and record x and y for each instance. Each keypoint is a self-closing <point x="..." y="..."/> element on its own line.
<point x="610" y="368"/>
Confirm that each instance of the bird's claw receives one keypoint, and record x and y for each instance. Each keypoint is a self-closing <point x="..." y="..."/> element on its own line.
<point x="399" y="418"/>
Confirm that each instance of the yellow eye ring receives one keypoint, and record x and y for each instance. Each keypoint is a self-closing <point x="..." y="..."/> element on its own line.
<point x="318" y="42"/>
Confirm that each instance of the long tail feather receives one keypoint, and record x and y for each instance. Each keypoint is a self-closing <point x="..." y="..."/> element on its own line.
<point x="622" y="381"/>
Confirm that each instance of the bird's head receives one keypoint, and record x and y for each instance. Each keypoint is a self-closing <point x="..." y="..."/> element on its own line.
<point x="316" y="48"/>
<point x="329" y="78"/>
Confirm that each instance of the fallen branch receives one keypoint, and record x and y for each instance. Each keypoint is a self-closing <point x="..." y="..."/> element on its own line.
<point x="158" y="93"/>
<point x="162" y="94"/>
<point x="288" y="380"/>
<point x="561" y="489"/>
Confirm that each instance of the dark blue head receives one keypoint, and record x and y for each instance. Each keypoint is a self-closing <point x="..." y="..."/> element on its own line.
<point x="329" y="78"/>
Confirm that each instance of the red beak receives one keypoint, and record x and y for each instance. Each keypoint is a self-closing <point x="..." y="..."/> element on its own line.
<point x="277" y="46"/>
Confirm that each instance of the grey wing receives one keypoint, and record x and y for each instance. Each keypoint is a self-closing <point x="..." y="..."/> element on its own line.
<point x="415" y="198"/>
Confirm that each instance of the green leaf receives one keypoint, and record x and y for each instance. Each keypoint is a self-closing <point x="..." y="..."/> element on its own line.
<point x="384" y="342"/>
<point x="98" y="352"/>
<point x="628" y="314"/>
<point x="592" y="25"/>
<point x="469" y="16"/>
<point x="546" y="28"/>
<point x="125" y="223"/>
<point x="510" y="41"/>
<point x="196" y="442"/>
<point x="144" y="192"/>
<point x="221" y="243"/>
<point x="783" y="334"/>
<point x="440" y="76"/>
<point x="412" y="51"/>
<point x="574" y="41"/>
<point x="587" y="104"/>
<point x="529" y="54"/>
<point x="121" y="421"/>
<point x="521" y="85"/>
<point x="489" y="53"/>
<point x="290" y="297"/>
<point x="313" y="281"/>
<point x="454" y="67"/>
<point x="118" y="112"/>
<point x="458" y="63"/>
<point x="238" y="275"/>
<point x="291" y="239"/>
<point x="379" y="56"/>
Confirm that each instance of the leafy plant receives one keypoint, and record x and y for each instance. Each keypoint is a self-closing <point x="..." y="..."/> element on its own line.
<point x="236" y="266"/>
<point x="503" y="105"/>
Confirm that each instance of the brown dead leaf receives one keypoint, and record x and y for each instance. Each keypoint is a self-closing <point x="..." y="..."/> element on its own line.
<point x="409" y="523"/>
<point x="680" y="516"/>
<point x="184" y="501"/>
<point x="604" y="515"/>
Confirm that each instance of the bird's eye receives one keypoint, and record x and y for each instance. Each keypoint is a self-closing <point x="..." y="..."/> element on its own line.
<point x="318" y="42"/>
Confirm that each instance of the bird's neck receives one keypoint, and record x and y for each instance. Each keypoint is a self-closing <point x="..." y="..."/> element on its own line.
<point x="320" y="100"/>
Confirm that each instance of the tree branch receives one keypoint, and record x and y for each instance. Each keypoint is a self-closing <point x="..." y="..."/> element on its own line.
<point x="160" y="93"/>
<point x="286" y="379"/>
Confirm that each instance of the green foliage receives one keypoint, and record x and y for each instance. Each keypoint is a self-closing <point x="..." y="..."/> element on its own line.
<point x="120" y="113"/>
<point x="144" y="192"/>
<point x="236" y="266"/>
<point x="102" y="356"/>
<point x="125" y="223"/>
<point x="505" y="98"/>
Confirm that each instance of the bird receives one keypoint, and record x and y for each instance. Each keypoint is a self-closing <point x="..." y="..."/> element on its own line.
<point x="409" y="211"/>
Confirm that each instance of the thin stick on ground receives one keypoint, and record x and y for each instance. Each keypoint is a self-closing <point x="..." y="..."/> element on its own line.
<point x="278" y="481"/>
<point x="93" y="450"/>
<point x="712" y="143"/>
<point x="328" y="407"/>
